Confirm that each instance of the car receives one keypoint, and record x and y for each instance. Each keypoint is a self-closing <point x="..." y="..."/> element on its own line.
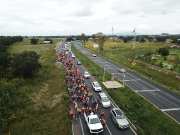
<point x="78" y="62"/>
<point x="96" y="86"/>
<point x="104" y="100"/>
<point x="119" y="118"/>
<point x="72" y="55"/>
<point x="94" y="55"/>
<point x="93" y="123"/>
<point x="86" y="74"/>
<point x="122" y="70"/>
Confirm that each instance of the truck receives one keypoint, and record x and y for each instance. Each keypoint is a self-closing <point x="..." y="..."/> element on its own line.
<point x="93" y="122"/>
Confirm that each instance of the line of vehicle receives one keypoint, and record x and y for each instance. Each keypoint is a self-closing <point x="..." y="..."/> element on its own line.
<point x="91" y="79"/>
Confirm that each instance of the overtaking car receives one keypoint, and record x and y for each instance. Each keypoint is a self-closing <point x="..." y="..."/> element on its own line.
<point x="119" y="118"/>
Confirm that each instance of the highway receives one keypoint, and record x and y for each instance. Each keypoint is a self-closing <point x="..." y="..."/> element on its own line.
<point x="160" y="97"/>
<point x="79" y="126"/>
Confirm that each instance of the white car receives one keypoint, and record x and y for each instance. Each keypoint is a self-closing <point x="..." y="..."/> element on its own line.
<point x="94" y="124"/>
<point x="119" y="118"/>
<point x="94" y="55"/>
<point x="96" y="86"/>
<point x="73" y="56"/>
<point x="86" y="75"/>
<point x="104" y="100"/>
<point x="122" y="70"/>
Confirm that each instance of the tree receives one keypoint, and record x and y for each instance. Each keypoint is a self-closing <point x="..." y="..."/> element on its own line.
<point x="25" y="64"/>
<point x="101" y="40"/>
<point x="163" y="51"/>
<point x="34" y="41"/>
<point x="83" y="38"/>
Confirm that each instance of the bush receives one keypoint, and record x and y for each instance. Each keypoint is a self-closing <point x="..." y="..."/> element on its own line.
<point x="34" y="41"/>
<point x="163" y="51"/>
<point x="25" y="64"/>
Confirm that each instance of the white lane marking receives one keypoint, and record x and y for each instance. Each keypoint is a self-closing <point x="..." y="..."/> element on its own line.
<point x="133" y="80"/>
<point x="170" y="109"/>
<point x="108" y="130"/>
<point x="133" y="130"/>
<point x="81" y="126"/>
<point x="72" y="129"/>
<point x="146" y="90"/>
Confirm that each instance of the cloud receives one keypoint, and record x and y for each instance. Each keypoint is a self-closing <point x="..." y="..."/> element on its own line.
<point x="52" y="17"/>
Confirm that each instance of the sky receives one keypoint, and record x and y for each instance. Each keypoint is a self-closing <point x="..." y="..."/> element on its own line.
<point x="71" y="17"/>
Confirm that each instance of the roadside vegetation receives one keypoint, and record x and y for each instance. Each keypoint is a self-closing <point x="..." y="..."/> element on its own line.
<point x="38" y="101"/>
<point x="147" y="119"/>
<point x="146" y="58"/>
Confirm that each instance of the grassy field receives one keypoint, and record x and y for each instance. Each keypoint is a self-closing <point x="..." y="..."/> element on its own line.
<point x="147" y="119"/>
<point x="46" y="112"/>
<point x="126" y="53"/>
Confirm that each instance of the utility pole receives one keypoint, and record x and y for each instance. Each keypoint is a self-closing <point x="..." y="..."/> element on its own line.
<point x="112" y="31"/>
<point x="134" y="32"/>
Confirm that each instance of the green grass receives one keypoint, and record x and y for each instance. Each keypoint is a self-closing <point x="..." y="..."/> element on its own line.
<point x="124" y="54"/>
<point x="147" y="119"/>
<point x="46" y="111"/>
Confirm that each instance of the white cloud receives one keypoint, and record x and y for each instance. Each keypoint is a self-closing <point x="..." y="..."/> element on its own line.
<point x="58" y="17"/>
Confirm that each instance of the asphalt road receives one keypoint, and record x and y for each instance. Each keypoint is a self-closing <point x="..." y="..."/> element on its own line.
<point x="160" y="97"/>
<point x="79" y="126"/>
